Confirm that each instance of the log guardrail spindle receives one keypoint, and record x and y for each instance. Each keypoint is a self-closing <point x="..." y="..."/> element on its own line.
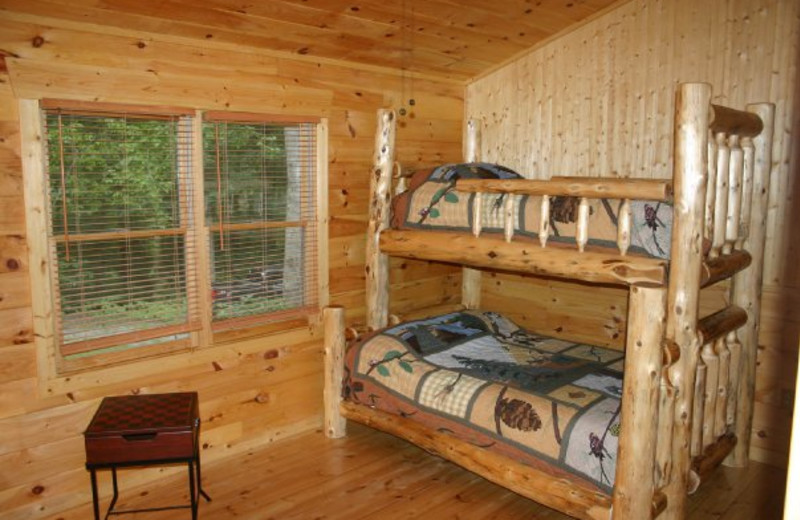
<point x="624" y="222"/>
<point x="698" y="404"/>
<point x="544" y="222"/>
<point x="477" y="214"/>
<point x="711" y="362"/>
<point x="582" y="232"/>
<point x="747" y="191"/>
<point x="723" y="384"/>
<point x="721" y="204"/>
<point x="711" y="185"/>
<point x="734" y="194"/>
<point x="509" y="217"/>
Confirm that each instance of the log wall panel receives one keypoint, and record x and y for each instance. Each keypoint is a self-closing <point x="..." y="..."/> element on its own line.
<point x="599" y="102"/>
<point x="253" y="390"/>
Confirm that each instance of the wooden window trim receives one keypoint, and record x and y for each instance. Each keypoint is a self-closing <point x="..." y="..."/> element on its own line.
<point x="213" y="116"/>
<point x="74" y="107"/>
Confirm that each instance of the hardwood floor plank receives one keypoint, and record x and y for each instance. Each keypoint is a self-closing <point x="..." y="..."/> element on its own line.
<point x="369" y="475"/>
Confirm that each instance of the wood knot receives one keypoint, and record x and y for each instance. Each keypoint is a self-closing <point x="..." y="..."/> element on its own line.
<point x="38" y="489"/>
<point x="37" y="41"/>
<point x="141" y="45"/>
<point x="303" y="50"/>
<point x="271" y="354"/>
<point x="12" y="264"/>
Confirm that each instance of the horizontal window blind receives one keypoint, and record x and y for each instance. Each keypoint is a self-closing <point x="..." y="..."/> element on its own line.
<point x="260" y="186"/>
<point x="121" y="234"/>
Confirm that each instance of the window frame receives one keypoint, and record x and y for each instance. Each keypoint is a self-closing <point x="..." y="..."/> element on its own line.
<point x="51" y="358"/>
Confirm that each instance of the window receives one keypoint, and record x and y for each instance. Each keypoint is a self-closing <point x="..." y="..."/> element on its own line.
<point x="260" y="210"/>
<point x="119" y="190"/>
<point x="158" y="236"/>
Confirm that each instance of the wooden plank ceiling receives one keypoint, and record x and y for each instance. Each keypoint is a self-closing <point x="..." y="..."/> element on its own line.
<point x="456" y="39"/>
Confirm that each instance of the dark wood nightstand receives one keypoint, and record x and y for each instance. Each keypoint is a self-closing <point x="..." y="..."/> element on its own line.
<point x="145" y="430"/>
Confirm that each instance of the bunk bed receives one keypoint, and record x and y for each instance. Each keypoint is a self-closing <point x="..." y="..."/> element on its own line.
<point x="686" y="396"/>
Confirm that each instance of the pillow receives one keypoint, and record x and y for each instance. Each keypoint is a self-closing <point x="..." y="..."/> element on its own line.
<point x="474" y="170"/>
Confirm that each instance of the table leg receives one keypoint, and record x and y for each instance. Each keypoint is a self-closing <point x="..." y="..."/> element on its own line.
<point x="200" y="483"/>
<point x="116" y="490"/>
<point x="197" y="460"/>
<point x="192" y="492"/>
<point x="95" y="501"/>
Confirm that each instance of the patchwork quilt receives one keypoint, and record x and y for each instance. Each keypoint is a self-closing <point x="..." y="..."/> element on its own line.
<point x="549" y="403"/>
<point x="432" y="202"/>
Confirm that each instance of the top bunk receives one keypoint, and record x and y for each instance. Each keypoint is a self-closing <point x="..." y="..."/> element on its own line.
<point x="615" y="231"/>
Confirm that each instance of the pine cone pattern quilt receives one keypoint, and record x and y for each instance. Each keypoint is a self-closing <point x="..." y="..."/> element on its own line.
<point x="550" y="403"/>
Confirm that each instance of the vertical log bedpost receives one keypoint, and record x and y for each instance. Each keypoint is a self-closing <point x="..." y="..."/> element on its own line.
<point x="690" y="171"/>
<point x="377" y="268"/>
<point x="634" y="483"/>
<point x="747" y="285"/>
<point x="471" y="278"/>
<point x="333" y="321"/>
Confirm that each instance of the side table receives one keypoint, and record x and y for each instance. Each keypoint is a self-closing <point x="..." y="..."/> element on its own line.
<point x="145" y="430"/>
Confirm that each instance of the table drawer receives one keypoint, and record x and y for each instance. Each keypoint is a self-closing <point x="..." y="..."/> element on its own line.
<point x="139" y="447"/>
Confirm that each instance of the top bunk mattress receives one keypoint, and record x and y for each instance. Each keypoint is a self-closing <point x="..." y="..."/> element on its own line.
<point x="431" y="202"/>
<point x="548" y="403"/>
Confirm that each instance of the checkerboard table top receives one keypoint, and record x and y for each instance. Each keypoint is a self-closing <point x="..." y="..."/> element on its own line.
<point x="132" y="414"/>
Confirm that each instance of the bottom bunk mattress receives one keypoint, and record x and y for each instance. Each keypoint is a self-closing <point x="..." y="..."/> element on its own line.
<point x="549" y="403"/>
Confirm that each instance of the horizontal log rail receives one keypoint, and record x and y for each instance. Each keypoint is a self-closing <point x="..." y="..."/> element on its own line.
<point x="589" y="187"/>
<point x="723" y="267"/>
<point x="571" y="497"/>
<point x="525" y="256"/>
<point x="713" y="455"/>
<point x="720" y="323"/>
<point x="731" y="121"/>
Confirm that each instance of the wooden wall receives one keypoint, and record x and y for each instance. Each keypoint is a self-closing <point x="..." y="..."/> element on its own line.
<point x="598" y="101"/>
<point x="252" y="391"/>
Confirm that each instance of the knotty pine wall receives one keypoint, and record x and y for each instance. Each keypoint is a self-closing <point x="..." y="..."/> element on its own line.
<point x="254" y="390"/>
<point x="599" y="101"/>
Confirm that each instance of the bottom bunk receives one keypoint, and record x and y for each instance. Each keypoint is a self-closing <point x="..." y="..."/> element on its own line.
<point x="538" y="415"/>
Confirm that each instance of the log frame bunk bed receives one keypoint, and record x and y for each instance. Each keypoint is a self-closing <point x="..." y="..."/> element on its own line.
<point x="688" y="385"/>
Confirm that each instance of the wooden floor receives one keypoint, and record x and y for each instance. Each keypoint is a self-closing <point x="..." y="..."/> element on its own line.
<point x="373" y="475"/>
